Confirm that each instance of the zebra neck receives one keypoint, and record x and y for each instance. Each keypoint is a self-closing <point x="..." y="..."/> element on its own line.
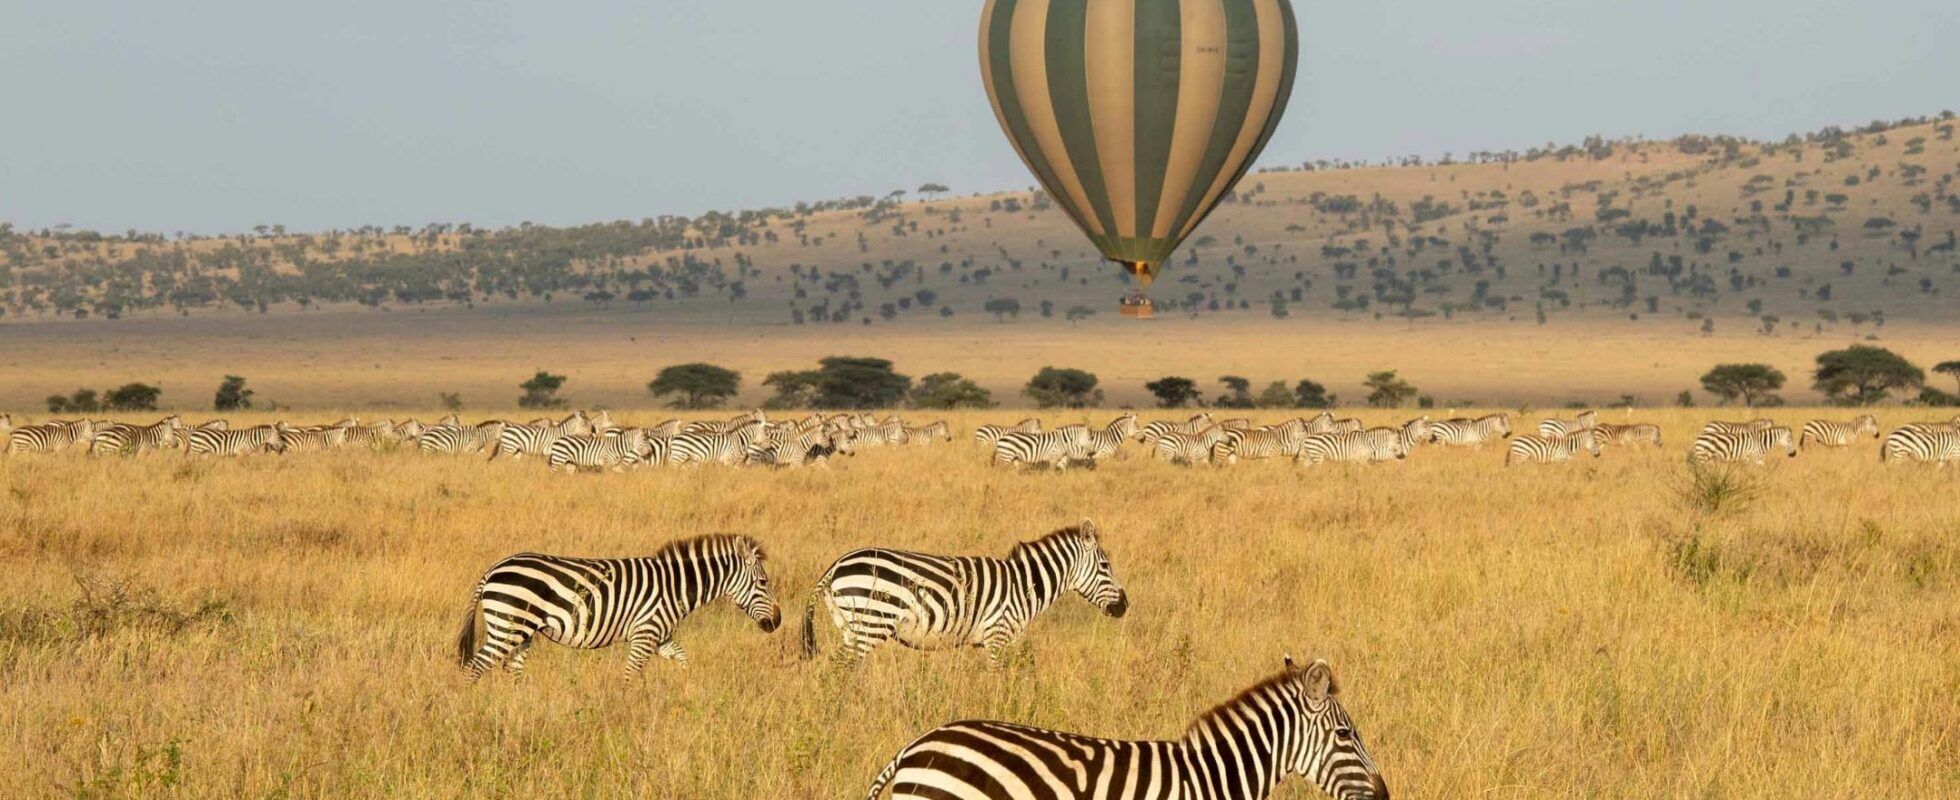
<point x="1231" y="755"/>
<point x="697" y="582"/>
<point x="1043" y="587"/>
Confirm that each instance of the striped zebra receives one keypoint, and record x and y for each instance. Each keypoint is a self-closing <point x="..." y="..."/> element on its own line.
<point x="728" y="449"/>
<point x="883" y="433"/>
<point x="931" y="602"/>
<point x="518" y="441"/>
<point x="1935" y="443"/>
<point x="1566" y="427"/>
<point x="1831" y="433"/>
<point x="1751" y="446"/>
<point x="666" y="430"/>
<point x="1290" y="724"/>
<point x="1949" y="425"/>
<point x="6" y="422"/>
<point x="224" y="442"/>
<point x="988" y="434"/>
<point x="315" y="440"/>
<point x="1149" y="434"/>
<point x="1353" y="447"/>
<point x="50" y="437"/>
<point x="459" y="440"/>
<point x="1177" y="447"/>
<point x="1236" y="424"/>
<point x="724" y="425"/>
<point x="1462" y="432"/>
<point x="927" y="434"/>
<point x="1542" y="449"/>
<point x="814" y="446"/>
<point x="576" y="452"/>
<point x="591" y="603"/>
<point x="129" y="440"/>
<point x="1638" y="433"/>
<point x="1106" y="442"/>
<point x="1751" y="426"/>
<point x="1270" y="442"/>
<point x="380" y="434"/>
<point x="1052" y="449"/>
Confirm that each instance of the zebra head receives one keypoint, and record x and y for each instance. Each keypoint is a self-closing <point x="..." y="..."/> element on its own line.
<point x="1326" y="748"/>
<point x="1418" y="431"/>
<point x="1865" y="423"/>
<point x="1502" y="424"/>
<point x="748" y="585"/>
<point x="1124" y="427"/>
<point x="844" y="441"/>
<point x="1090" y="575"/>
<point x="1780" y="437"/>
<point x="276" y="443"/>
<point x="1590" y="440"/>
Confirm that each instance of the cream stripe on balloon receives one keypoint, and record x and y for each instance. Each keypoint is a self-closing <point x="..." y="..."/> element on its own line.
<point x="1029" y="55"/>
<point x="1201" y="87"/>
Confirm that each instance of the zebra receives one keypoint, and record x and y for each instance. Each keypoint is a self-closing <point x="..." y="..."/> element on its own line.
<point x="308" y="440"/>
<point x="1939" y="444"/>
<point x="1290" y="724"/>
<point x="125" y="439"/>
<point x="1751" y="426"/>
<point x="724" y="426"/>
<point x="1236" y="424"/>
<point x="1178" y="447"/>
<point x="811" y="446"/>
<point x="1751" y="446"/>
<point x="1149" y="434"/>
<point x="932" y="602"/>
<point x="376" y="435"/>
<point x="50" y="437"/>
<point x="1051" y="449"/>
<point x="1565" y="427"/>
<point x="6" y="423"/>
<point x="1278" y="440"/>
<point x="927" y="434"/>
<point x="458" y="439"/>
<point x="591" y="603"/>
<point x="577" y="452"/>
<point x="1106" y="442"/>
<point x="1949" y="425"/>
<point x="1639" y="433"/>
<point x="1542" y="449"/>
<point x="1355" y="447"/>
<point x="729" y="449"/>
<point x="1830" y="433"/>
<point x="1471" y="432"/>
<point x="518" y="441"/>
<point x="988" y="434"/>
<point x="891" y="432"/>
<point x="224" y="442"/>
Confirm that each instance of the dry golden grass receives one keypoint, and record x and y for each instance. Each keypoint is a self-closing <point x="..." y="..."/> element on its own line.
<point x="1569" y="631"/>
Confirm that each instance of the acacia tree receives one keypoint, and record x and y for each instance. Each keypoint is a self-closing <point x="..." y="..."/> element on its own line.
<point x="1238" y="393"/>
<point x="541" y="391"/>
<point x="1754" y="383"/>
<point x="1060" y="387"/>
<point x="1864" y="375"/>
<point x="232" y="395"/>
<point x="1950" y="369"/>
<point x="1385" y="390"/>
<point x="696" y="385"/>
<point x="949" y="390"/>
<point x="1175" y="392"/>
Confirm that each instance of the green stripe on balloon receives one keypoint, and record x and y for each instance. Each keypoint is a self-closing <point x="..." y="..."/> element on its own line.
<point x="1068" y="93"/>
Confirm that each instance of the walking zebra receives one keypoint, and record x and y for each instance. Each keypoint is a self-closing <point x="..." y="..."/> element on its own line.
<point x="1923" y="443"/>
<point x="1751" y="446"/>
<point x="50" y="437"/>
<point x="313" y="440"/>
<point x="814" y="446"/>
<point x="1149" y="434"/>
<point x="890" y="432"/>
<point x="1106" y="442"/>
<point x="1354" y="447"/>
<point x="1278" y="440"/>
<point x="1051" y="449"/>
<point x="1290" y="724"/>
<point x="1751" y="426"/>
<point x="125" y="439"/>
<point x="577" y="452"/>
<point x="459" y="440"/>
<point x="931" y="602"/>
<point x="222" y="442"/>
<point x="724" y="425"/>
<point x="376" y="435"/>
<point x="988" y="434"/>
<point x="1543" y="449"/>
<point x="1178" y="447"/>
<point x="1640" y="433"/>
<point x="1462" y="432"/>
<point x="592" y="603"/>
<point x="1566" y="427"/>
<point x="1831" y="433"/>
<point x="518" y="441"/>
<point x="728" y="449"/>
<point x="925" y="435"/>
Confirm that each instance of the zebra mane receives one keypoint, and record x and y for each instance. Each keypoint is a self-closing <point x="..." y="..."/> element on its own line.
<point x="1275" y="684"/>
<point x="683" y="546"/>
<point x="1068" y="532"/>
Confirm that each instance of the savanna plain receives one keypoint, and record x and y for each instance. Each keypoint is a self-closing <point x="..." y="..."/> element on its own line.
<point x="1613" y="628"/>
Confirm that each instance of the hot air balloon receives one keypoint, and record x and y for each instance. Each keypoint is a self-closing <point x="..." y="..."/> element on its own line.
<point x="1137" y="116"/>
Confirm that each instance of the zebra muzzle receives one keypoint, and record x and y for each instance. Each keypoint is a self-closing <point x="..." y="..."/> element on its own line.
<point x="770" y="623"/>
<point x="1120" y="606"/>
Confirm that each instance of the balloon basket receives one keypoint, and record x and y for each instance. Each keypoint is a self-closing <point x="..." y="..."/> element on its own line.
<point x="1137" y="306"/>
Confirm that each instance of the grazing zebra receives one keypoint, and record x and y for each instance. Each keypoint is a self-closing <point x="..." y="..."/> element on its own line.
<point x="1566" y="427"/>
<point x="1751" y="426"/>
<point x="1270" y="442"/>
<point x="1051" y="449"/>
<point x="223" y="442"/>
<point x="1639" y="433"/>
<point x="1471" y="432"/>
<point x="1290" y="724"/>
<point x="1542" y="449"/>
<point x="518" y="441"/>
<point x="49" y="437"/>
<point x="312" y="440"/>
<point x="1178" y="447"/>
<point x="988" y="434"/>
<point x="728" y="449"/>
<point x="591" y="603"/>
<point x="1938" y="444"/>
<point x="930" y="602"/>
<point x="458" y="440"/>
<point x="925" y="435"/>
<point x="577" y="452"/>
<point x="814" y="446"/>
<point x="1354" y="447"/>
<point x="124" y="439"/>
<point x="1751" y="446"/>
<point x="1830" y="433"/>
<point x="1149" y="434"/>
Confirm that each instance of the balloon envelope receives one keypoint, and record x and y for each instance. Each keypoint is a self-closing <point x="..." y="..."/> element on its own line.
<point x="1137" y="116"/>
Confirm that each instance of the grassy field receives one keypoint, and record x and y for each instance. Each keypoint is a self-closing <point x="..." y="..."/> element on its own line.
<point x="284" y="627"/>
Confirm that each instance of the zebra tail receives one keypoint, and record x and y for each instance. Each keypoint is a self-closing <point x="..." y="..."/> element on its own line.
<point x="810" y="619"/>
<point x="466" y="640"/>
<point x="884" y="777"/>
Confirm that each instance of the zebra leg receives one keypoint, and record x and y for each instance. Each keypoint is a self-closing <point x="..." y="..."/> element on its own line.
<point x="641" y="645"/>
<point x="672" y="651"/>
<point x="500" y="645"/>
<point x="999" y="646"/>
<point x="515" y="663"/>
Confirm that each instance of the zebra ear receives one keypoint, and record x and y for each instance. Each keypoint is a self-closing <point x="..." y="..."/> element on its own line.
<point x="1320" y="680"/>
<point x="1088" y="528"/>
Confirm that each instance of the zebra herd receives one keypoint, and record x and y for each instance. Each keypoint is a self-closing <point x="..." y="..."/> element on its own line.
<point x="1290" y="724"/>
<point x="578" y="442"/>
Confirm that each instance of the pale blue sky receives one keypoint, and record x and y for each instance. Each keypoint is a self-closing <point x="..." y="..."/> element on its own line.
<point x="218" y="115"/>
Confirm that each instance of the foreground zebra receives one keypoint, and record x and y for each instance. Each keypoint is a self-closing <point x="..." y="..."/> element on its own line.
<point x="1751" y="446"/>
<point x="1051" y="449"/>
<point x="593" y="603"/>
<point x="1566" y="427"/>
<point x="1355" y="447"/>
<point x="222" y="442"/>
<point x="930" y="602"/>
<point x="129" y="440"/>
<point x="50" y="437"/>
<point x="1831" y="433"/>
<point x="1289" y="724"/>
<point x="1922" y="443"/>
<point x="577" y="452"/>
<point x="1529" y="449"/>
<point x="1462" y="432"/>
